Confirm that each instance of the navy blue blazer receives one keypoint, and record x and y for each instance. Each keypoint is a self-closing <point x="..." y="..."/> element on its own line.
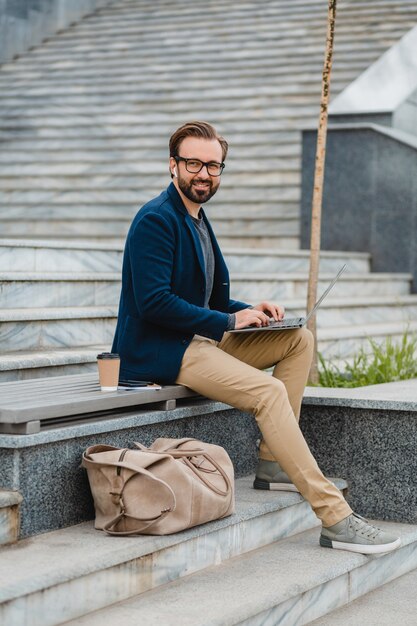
<point x="163" y="287"/>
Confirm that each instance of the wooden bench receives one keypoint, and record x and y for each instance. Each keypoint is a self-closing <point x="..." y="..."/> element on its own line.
<point x="28" y="405"/>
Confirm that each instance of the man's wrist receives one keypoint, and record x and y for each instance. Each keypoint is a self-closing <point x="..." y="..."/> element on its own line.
<point x="232" y="322"/>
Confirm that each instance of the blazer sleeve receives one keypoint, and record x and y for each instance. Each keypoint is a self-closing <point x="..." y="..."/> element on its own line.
<point x="151" y="250"/>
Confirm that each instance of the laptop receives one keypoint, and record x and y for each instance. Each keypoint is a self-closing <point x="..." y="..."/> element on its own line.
<point x="292" y="322"/>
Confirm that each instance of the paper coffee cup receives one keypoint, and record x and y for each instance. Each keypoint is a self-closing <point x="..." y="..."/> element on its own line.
<point x="108" y="370"/>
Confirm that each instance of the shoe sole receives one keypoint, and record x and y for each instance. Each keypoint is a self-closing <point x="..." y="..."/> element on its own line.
<point x="325" y="542"/>
<point x="258" y="483"/>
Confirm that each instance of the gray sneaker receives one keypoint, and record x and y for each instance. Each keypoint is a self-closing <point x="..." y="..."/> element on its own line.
<point x="270" y="475"/>
<point x="355" y="534"/>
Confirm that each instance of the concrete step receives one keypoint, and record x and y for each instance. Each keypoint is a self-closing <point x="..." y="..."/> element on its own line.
<point x="290" y="582"/>
<point x="393" y="603"/>
<point x="76" y="256"/>
<point x="9" y="516"/>
<point x="72" y="289"/>
<point x="67" y="573"/>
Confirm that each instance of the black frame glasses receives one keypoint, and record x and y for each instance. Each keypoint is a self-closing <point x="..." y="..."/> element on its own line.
<point x="213" y="168"/>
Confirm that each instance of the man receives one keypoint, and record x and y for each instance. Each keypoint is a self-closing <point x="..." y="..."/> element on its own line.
<point x="174" y="315"/>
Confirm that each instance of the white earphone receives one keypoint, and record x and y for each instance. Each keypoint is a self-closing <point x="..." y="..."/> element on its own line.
<point x="175" y="172"/>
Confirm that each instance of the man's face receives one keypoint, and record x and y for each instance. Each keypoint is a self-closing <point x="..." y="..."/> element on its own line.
<point x="200" y="187"/>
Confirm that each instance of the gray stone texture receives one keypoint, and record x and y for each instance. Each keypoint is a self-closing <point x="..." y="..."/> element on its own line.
<point x="374" y="450"/>
<point x="370" y="195"/>
<point x="25" y="23"/>
<point x="46" y="469"/>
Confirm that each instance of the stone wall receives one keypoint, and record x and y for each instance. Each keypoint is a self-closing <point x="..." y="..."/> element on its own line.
<point x="369" y="195"/>
<point x="25" y="23"/>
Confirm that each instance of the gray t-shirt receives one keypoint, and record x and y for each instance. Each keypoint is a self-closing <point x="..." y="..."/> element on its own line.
<point x="209" y="264"/>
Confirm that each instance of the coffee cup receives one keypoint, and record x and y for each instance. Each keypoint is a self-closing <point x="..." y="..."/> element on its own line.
<point x="108" y="370"/>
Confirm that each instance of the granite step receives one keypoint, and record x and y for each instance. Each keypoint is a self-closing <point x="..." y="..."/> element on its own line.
<point x="290" y="582"/>
<point x="9" y="516"/>
<point x="393" y="603"/>
<point x="76" y="256"/>
<point x="61" y="575"/>
<point x="72" y="289"/>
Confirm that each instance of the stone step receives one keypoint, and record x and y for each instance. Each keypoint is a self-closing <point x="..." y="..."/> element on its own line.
<point x="161" y="123"/>
<point x="238" y="67"/>
<point x="237" y="84"/>
<point x="126" y="211"/>
<point x="393" y="603"/>
<point x="157" y="167"/>
<point x="252" y="140"/>
<point x="63" y="256"/>
<point x="292" y="581"/>
<point x="72" y="289"/>
<point x="162" y="80"/>
<point x="34" y="328"/>
<point x="64" y="574"/>
<point x="36" y="153"/>
<point x="313" y="44"/>
<point x="118" y="227"/>
<point x="338" y="344"/>
<point x="134" y="182"/>
<point x="126" y="35"/>
<point x="9" y="516"/>
<point x="24" y="365"/>
<point x="136" y="197"/>
<point x="342" y="342"/>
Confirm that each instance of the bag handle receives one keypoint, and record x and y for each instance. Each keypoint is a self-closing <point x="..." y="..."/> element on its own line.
<point x="137" y="470"/>
<point x="186" y="455"/>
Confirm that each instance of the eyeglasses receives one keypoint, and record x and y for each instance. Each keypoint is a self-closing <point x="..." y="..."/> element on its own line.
<point x="193" y="166"/>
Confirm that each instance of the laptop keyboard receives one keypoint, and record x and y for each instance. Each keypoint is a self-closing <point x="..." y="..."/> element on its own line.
<point x="291" y="321"/>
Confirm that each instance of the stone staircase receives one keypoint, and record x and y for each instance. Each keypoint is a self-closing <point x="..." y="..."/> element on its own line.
<point x="84" y="124"/>
<point x="263" y="565"/>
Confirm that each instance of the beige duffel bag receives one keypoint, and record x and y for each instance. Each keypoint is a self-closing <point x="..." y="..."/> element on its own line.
<point x="173" y="485"/>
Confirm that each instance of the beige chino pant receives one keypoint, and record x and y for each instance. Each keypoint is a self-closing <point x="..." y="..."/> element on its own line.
<point x="230" y="371"/>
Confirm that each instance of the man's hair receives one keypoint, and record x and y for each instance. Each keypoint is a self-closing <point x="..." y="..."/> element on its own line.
<point x="202" y="130"/>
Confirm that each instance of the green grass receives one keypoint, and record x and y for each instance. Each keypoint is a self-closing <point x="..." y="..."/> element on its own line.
<point x="385" y="362"/>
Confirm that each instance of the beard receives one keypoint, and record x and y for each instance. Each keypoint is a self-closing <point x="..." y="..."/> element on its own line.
<point x="199" y="196"/>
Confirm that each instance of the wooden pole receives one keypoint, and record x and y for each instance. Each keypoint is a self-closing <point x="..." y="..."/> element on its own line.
<point x="318" y="185"/>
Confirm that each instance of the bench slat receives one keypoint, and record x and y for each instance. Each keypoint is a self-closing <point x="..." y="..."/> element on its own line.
<point x="62" y="396"/>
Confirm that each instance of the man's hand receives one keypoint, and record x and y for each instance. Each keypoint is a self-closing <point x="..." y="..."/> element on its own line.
<point x="259" y="315"/>
<point x="273" y="310"/>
